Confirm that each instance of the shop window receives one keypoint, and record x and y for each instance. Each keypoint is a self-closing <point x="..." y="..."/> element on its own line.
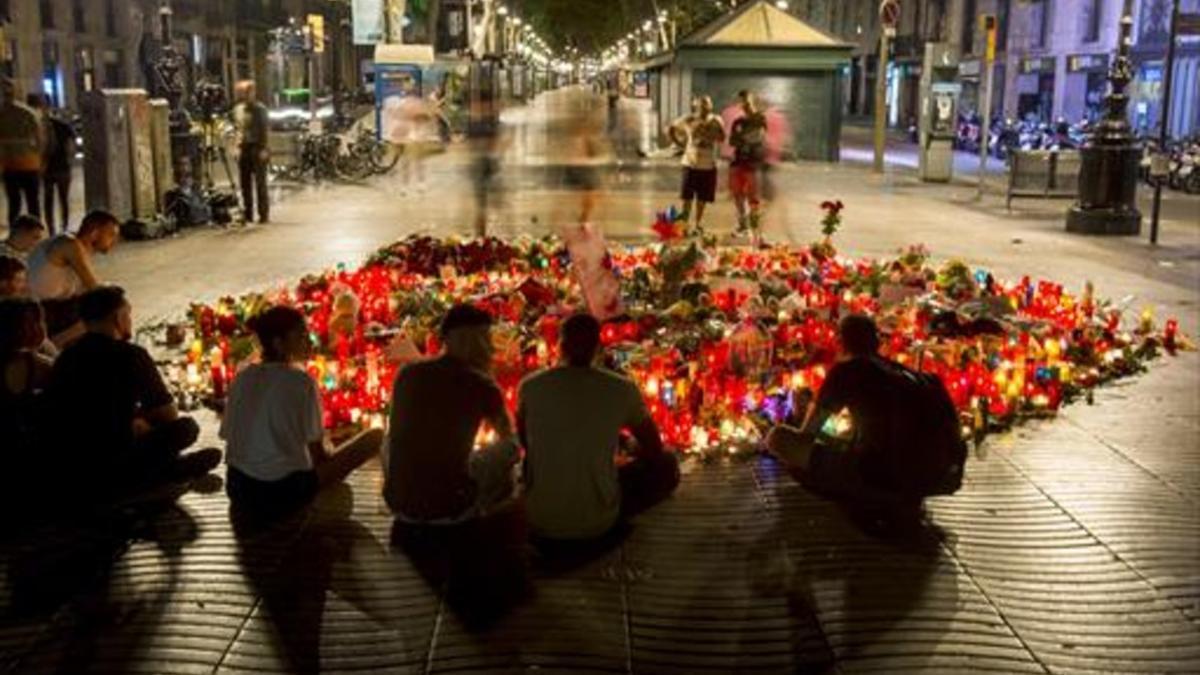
<point x="1094" y="14"/>
<point x="51" y="74"/>
<point x="110" y="17"/>
<point x="47" y="11"/>
<point x="971" y="17"/>
<point x="113" y="72"/>
<point x="1003" y="10"/>
<point x="85" y="70"/>
<point x="1045" y="22"/>
<point x="79" y="16"/>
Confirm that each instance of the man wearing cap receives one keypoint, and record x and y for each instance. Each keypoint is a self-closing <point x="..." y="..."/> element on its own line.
<point x="434" y="474"/>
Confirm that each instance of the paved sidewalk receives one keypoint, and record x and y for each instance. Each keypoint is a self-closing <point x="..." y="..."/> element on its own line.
<point x="1074" y="546"/>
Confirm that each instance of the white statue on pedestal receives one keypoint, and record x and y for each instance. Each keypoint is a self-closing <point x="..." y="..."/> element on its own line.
<point x="394" y="13"/>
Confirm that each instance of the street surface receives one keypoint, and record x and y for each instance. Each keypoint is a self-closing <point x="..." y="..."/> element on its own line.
<point x="1073" y="547"/>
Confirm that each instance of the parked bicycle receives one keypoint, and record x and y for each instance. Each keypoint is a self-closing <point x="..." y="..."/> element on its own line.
<point x="330" y="156"/>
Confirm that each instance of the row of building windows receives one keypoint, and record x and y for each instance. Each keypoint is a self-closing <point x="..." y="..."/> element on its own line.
<point x="79" y="13"/>
<point x="1044" y="12"/>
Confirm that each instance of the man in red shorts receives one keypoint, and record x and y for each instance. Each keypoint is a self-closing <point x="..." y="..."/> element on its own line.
<point x="748" y="137"/>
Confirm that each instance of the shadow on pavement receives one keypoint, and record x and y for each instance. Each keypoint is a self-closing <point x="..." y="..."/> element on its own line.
<point x="294" y="564"/>
<point x="68" y="577"/>
<point x="876" y="586"/>
<point x="479" y="567"/>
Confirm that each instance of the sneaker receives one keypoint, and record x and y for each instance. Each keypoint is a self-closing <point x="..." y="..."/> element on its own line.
<point x="196" y="464"/>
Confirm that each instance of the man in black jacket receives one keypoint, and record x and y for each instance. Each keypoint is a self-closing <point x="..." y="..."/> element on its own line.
<point x="253" y="128"/>
<point x="58" y="153"/>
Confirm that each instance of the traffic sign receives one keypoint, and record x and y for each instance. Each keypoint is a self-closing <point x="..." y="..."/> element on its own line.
<point x="316" y="24"/>
<point x="989" y="29"/>
<point x="889" y="14"/>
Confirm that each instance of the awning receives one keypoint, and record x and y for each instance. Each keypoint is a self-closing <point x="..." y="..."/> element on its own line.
<point x="760" y="24"/>
<point x="404" y="54"/>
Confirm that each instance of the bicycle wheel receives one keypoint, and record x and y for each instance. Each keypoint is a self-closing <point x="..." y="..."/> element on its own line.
<point x="384" y="156"/>
<point x="352" y="166"/>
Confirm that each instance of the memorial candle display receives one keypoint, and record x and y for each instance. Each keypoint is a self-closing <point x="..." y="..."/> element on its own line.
<point x="723" y="341"/>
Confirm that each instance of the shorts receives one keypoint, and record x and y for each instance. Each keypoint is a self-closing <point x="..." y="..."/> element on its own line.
<point x="60" y="314"/>
<point x="274" y="497"/>
<point x="743" y="182"/>
<point x="585" y="178"/>
<point x="699" y="184"/>
<point x="835" y="471"/>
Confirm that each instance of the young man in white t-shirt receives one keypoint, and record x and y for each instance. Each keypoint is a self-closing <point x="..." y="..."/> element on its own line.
<point x="701" y="134"/>
<point x="276" y="450"/>
<point x="570" y="419"/>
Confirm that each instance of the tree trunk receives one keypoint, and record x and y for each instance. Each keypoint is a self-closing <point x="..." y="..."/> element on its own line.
<point x="432" y="19"/>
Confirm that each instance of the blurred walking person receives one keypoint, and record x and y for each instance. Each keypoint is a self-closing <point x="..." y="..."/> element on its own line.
<point x="587" y="155"/>
<point x="748" y="137"/>
<point x="701" y="134"/>
<point x="410" y="125"/>
<point x="58" y="152"/>
<point x="487" y="143"/>
<point x="20" y="152"/>
<point x="252" y="122"/>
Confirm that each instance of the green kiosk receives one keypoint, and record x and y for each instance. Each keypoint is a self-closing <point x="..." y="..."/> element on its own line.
<point x="790" y="65"/>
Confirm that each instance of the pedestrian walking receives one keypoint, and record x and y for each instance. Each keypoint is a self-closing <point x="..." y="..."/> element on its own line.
<point x="20" y="153"/>
<point x="701" y="134"/>
<point x="748" y="136"/>
<point x="250" y="117"/>
<point x="584" y="165"/>
<point x="58" y="152"/>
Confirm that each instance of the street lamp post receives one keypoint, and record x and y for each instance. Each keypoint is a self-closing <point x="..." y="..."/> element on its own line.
<point x="1164" y="119"/>
<point x="1110" y="160"/>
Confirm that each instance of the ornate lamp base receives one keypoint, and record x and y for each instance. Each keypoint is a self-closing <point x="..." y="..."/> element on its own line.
<point x="1104" y="221"/>
<point x="1107" y="191"/>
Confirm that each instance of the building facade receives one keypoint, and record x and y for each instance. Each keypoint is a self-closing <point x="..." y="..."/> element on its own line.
<point x="1151" y="29"/>
<point x="1052" y="56"/>
<point x="65" y="48"/>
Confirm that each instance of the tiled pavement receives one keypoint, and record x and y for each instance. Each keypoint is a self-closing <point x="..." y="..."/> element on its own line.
<point x="1074" y="547"/>
<point x="1057" y="556"/>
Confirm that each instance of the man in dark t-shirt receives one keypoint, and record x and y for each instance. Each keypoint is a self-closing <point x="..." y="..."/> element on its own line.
<point x="114" y="417"/>
<point x="748" y="137"/>
<point x="862" y="385"/>
<point x="435" y="475"/>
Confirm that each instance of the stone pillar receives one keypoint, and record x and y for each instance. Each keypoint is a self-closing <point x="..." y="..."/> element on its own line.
<point x="1108" y="176"/>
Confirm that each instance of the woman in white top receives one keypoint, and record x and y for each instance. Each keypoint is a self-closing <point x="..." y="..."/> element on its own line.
<point x="60" y="270"/>
<point x="275" y="439"/>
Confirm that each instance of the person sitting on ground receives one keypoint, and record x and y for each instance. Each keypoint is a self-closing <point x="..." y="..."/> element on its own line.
<point x="14" y="280"/>
<point x="25" y="233"/>
<point x="903" y="426"/>
<point x="570" y="419"/>
<point x="23" y="374"/>
<point x="60" y="270"/>
<point x="434" y="474"/>
<point x="273" y="425"/>
<point x="123" y="425"/>
<point x="24" y="370"/>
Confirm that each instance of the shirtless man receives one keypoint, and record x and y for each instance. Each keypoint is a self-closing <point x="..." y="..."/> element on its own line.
<point x="60" y="270"/>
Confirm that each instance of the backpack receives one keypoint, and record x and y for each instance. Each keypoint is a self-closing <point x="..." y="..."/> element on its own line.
<point x="926" y="424"/>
